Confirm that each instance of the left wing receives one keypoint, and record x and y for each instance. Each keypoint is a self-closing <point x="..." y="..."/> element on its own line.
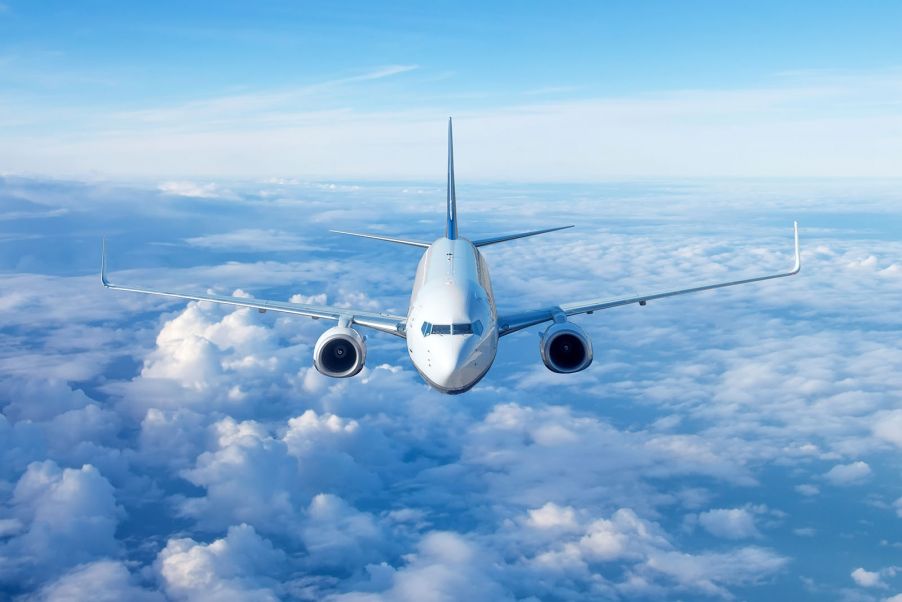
<point x="508" y="324"/>
<point x="379" y="321"/>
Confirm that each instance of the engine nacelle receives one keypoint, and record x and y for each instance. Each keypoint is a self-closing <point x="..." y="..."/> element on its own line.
<point x="565" y="348"/>
<point x="340" y="352"/>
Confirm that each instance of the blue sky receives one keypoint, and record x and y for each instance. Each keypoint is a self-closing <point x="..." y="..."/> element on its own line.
<point x="169" y="50"/>
<point x="741" y="444"/>
<point x="591" y="91"/>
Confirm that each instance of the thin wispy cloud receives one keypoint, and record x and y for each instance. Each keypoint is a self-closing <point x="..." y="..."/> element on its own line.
<point x="831" y="127"/>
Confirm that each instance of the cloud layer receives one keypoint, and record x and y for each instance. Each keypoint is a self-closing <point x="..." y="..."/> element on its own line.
<point x="721" y="446"/>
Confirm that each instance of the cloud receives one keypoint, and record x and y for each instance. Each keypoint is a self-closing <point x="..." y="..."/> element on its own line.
<point x="64" y="517"/>
<point x="848" y="474"/>
<point x="249" y="239"/>
<point x="191" y="189"/>
<point x="866" y="578"/>
<point x="789" y="126"/>
<point x="807" y="489"/>
<point x="552" y="516"/>
<point x="711" y="417"/>
<point x="888" y="426"/>
<point x="103" y="581"/>
<point x="445" y="566"/>
<point x="240" y="566"/>
<point x="729" y="523"/>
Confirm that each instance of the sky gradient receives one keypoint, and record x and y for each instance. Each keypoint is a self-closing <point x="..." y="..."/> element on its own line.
<point x="592" y="91"/>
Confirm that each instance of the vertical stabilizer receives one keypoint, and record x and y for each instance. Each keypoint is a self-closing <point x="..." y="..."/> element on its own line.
<point x="451" y="229"/>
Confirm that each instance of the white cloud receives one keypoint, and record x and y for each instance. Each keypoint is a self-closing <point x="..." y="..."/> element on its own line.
<point x="807" y="489"/>
<point x="191" y="189"/>
<point x="866" y="578"/>
<point x="100" y="581"/>
<point x="338" y="535"/>
<point x="789" y="127"/>
<point x="241" y="566"/>
<point x="888" y="426"/>
<point x="729" y="523"/>
<point x="445" y="566"/>
<point x="67" y="517"/>
<point x="848" y="474"/>
<point x="250" y="239"/>
<point x="552" y="516"/>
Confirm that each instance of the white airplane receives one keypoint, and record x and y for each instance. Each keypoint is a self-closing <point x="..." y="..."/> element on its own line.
<point x="452" y="326"/>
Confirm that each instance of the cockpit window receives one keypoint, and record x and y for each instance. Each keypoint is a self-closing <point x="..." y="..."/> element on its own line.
<point x="466" y="328"/>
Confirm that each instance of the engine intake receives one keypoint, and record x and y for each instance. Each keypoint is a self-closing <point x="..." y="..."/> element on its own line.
<point x="340" y="352"/>
<point x="565" y="348"/>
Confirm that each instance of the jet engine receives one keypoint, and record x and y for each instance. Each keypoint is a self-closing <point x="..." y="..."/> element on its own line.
<point x="565" y="348"/>
<point x="340" y="352"/>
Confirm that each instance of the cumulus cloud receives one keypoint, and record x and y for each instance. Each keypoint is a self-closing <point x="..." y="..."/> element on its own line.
<point x="807" y="489"/>
<point x="729" y="523"/>
<point x="445" y="566"/>
<point x="848" y="474"/>
<point x="552" y="516"/>
<point x="866" y="578"/>
<point x="63" y="517"/>
<point x="103" y="581"/>
<point x="240" y="566"/>
<point x="888" y="426"/>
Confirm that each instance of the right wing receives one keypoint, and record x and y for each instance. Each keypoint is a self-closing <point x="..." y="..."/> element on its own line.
<point x="511" y="323"/>
<point x="379" y="321"/>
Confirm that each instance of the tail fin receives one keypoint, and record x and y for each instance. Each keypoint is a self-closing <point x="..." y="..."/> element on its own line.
<point x="451" y="228"/>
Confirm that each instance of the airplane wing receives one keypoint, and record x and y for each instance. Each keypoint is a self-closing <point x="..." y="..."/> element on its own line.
<point x="511" y="323"/>
<point x="379" y="321"/>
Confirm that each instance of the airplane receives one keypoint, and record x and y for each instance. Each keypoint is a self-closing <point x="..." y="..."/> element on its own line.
<point x="452" y="326"/>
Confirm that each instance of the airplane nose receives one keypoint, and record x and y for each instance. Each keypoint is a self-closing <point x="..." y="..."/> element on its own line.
<point x="445" y="366"/>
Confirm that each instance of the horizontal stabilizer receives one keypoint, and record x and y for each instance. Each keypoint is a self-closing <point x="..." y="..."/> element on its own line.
<point x="491" y="241"/>
<point x="400" y="241"/>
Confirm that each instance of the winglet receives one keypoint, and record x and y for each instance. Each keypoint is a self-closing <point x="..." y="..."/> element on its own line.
<point x="103" y="278"/>
<point x="798" y="265"/>
<point x="451" y="229"/>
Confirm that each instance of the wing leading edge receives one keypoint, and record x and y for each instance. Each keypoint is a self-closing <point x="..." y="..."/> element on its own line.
<point x="377" y="321"/>
<point x="508" y="324"/>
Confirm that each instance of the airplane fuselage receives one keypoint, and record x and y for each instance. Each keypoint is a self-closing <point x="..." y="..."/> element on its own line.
<point x="452" y="325"/>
